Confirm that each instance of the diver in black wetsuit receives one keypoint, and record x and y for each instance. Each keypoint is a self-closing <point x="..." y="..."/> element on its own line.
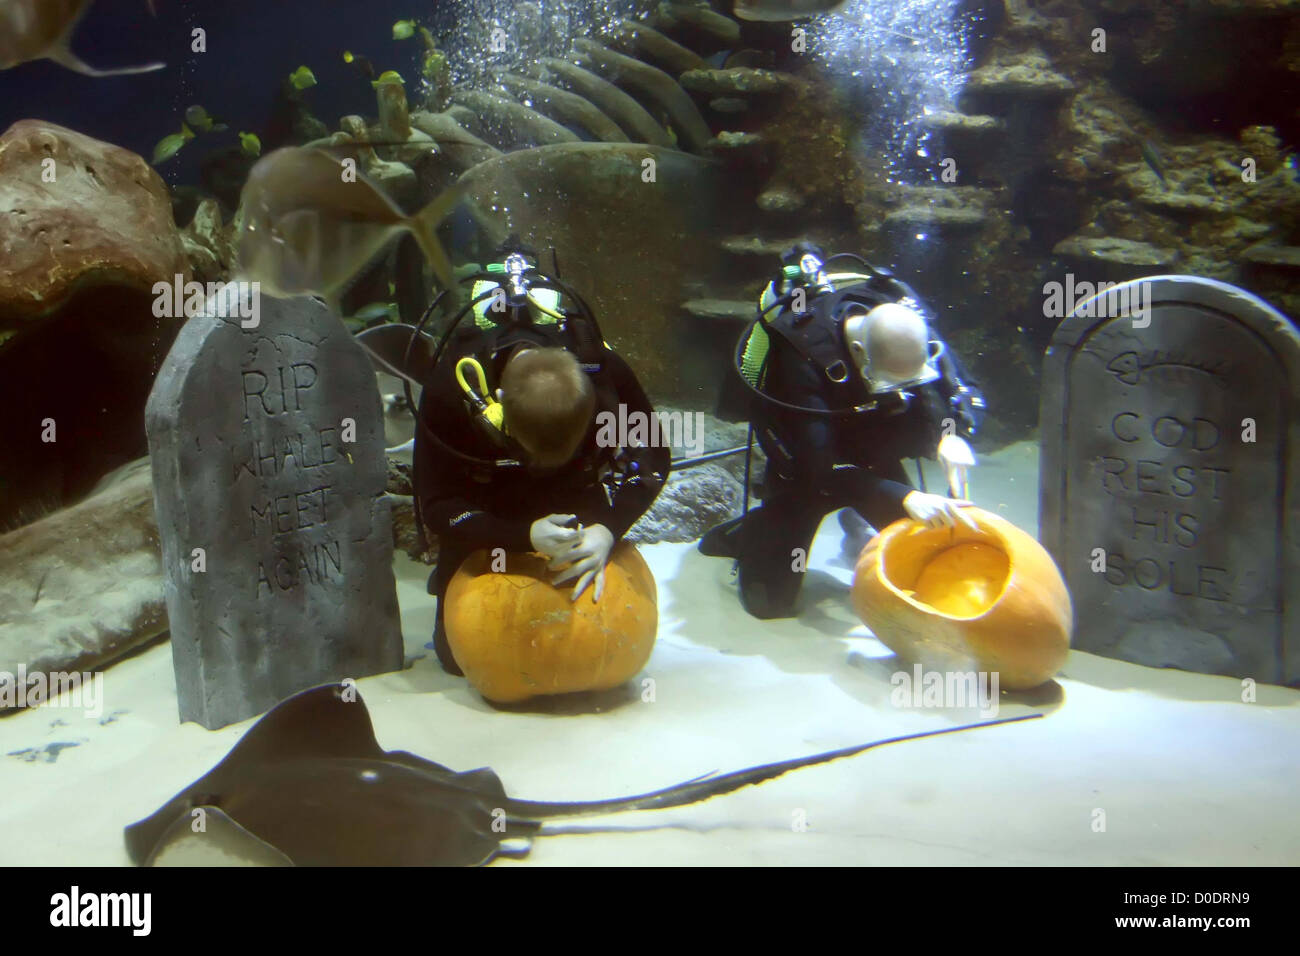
<point x="847" y="379"/>
<point x="509" y="457"/>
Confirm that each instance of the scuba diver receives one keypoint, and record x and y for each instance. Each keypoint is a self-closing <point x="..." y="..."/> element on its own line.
<point x="846" y="378"/>
<point x="506" y="449"/>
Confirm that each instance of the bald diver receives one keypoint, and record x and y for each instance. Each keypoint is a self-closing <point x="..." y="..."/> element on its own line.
<point x="845" y="378"/>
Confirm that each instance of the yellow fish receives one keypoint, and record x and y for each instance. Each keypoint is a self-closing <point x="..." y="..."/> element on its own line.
<point x="302" y="78"/>
<point x="311" y="223"/>
<point x="169" y="146"/>
<point x="42" y="29"/>
<point x="403" y="29"/>
<point x="388" y="77"/>
<point x="250" y="144"/>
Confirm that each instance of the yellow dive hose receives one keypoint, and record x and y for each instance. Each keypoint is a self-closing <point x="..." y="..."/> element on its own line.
<point x="489" y="408"/>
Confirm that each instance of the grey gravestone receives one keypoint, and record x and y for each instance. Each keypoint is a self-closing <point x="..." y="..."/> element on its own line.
<point x="1145" y="454"/>
<point x="247" y="440"/>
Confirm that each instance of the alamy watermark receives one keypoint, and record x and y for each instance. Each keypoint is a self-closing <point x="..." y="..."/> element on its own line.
<point x="178" y="298"/>
<point x="131" y="911"/>
<point x="56" y="689"/>
<point x="945" y="689"/>
<point x="637" y="429"/>
<point x="1100" y="300"/>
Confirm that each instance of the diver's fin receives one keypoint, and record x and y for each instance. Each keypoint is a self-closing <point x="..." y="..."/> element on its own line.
<point x="713" y="786"/>
<point x="424" y="226"/>
<point x="724" y="540"/>
<point x="220" y="842"/>
<point x="63" y="55"/>
<point x="388" y="348"/>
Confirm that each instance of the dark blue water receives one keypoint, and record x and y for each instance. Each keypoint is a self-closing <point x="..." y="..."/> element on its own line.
<point x="251" y="47"/>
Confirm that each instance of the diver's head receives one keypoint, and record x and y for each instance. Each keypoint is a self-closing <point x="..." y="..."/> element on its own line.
<point x="890" y="345"/>
<point x="548" y="402"/>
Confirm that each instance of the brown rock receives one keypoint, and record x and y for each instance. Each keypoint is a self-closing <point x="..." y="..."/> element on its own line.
<point x="105" y="218"/>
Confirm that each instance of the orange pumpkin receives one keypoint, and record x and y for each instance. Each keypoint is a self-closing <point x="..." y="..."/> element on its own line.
<point x="956" y="599"/>
<point x="515" y="635"/>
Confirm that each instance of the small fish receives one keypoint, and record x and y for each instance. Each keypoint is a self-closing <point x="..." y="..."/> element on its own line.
<point x="302" y="78"/>
<point x="250" y="144"/>
<point x="376" y="310"/>
<point x="1293" y="164"/>
<point x="403" y="29"/>
<point x="1153" y="159"/>
<point x="387" y="78"/>
<point x="169" y="146"/>
<point x="199" y="120"/>
<point x="311" y="224"/>
<point x="360" y="62"/>
<point x="41" y="30"/>
<point x="778" y="10"/>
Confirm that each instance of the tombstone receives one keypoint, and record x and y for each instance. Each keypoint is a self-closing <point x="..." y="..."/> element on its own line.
<point x="248" y="437"/>
<point x="1170" y="430"/>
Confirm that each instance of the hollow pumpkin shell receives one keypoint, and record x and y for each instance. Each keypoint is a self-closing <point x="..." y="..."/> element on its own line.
<point x="515" y="635"/>
<point x="954" y="599"/>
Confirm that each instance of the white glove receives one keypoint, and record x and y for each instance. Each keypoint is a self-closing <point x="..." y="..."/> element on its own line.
<point x="586" y="560"/>
<point x="956" y="457"/>
<point x="936" y="511"/>
<point x="550" y="536"/>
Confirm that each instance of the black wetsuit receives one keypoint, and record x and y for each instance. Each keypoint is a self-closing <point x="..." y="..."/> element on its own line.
<point x="471" y="506"/>
<point x="818" y="464"/>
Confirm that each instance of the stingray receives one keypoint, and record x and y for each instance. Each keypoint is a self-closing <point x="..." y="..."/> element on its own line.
<point x="309" y="785"/>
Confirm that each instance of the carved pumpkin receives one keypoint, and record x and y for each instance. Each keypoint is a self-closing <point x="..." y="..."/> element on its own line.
<point x="515" y="635"/>
<point x="954" y="599"/>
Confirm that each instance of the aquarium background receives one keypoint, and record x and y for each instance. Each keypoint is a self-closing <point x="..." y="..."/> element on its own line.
<point x="984" y="150"/>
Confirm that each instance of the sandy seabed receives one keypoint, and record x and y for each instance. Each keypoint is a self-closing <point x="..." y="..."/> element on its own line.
<point x="1183" y="770"/>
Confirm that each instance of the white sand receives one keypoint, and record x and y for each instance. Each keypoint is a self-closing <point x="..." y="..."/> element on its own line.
<point x="1184" y="771"/>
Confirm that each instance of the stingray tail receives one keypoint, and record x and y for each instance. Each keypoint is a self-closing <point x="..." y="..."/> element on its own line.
<point x="706" y="787"/>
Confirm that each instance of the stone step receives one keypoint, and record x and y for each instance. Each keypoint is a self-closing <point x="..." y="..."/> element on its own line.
<point x="1029" y="78"/>
<point x="948" y="208"/>
<point x="974" y="126"/>
<point x="1109" y="251"/>
<point x="756" y="246"/>
<point x="719" y="310"/>
<point x="1285" y="258"/>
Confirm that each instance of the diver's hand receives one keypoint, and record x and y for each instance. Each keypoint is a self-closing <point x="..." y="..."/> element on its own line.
<point x="936" y="511"/>
<point x="956" y="457"/>
<point x="586" y="561"/>
<point x="550" y="536"/>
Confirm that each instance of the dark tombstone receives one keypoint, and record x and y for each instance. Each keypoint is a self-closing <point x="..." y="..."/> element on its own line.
<point x="1170" y="430"/>
<point x="267" y="448"/>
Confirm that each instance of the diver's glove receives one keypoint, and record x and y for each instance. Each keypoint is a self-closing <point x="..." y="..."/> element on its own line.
<point x="936" y="511"/>
<point x="956" y="457"/>
<point x="551" y="537"/>
<point x="586" y="560"/>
